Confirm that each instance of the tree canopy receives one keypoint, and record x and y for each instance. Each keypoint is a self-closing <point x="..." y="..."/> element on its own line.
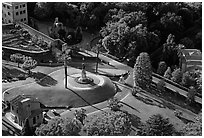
<point x="108" y="124"/>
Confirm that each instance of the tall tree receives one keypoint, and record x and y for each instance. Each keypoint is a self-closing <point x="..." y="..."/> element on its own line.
<point x="156" y="125"/>
<point x="142" y="72"/>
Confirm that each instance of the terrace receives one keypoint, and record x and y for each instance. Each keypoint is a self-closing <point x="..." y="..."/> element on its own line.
<point x="18" y="38"/>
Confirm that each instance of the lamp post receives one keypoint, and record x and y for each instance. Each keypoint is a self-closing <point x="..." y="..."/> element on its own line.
<point x="66" y="59"/>
<point x="97" y="58"/>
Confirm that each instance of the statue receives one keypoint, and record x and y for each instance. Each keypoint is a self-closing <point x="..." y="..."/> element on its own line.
<point x="83" y="73"/>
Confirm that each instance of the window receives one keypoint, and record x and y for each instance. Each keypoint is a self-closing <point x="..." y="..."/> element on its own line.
<point x="9" y="13"/>
<point x="20" y="6"/>
<point x="16" y="7"/>
<point x="24" y="19"/>
<point x="23" y="11"/>
<point x="38" y="117"/>
<point x="16" y="13"/>
<point x="21" y="20"/>
<point x="12" y="108"/>
<point x="20" y="12"/>
<point x="23" y="5"/>
<point x="4" y="5"/>
<point x="9" y="21"/>
<point x="8" y="7"/>
<point x="17" y="111"/>
<point x="28" y="104"/>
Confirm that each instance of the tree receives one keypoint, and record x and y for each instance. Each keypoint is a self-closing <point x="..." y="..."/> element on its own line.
<point x="172" y="24"/>
<point x="114" y="104"/>
<point x="156" y="125"/>
<point x="187" y="42"/>
<point x="27" y="131"/>
<point x="194" y="129"/>
<point x="59" y="127"/>
<point x="142" y="73"/>
<point x="17" y="58"/>
<point x="108" y="124"/>
<point x="161" y="68"/>
<point x="43" y="10"/>
<point x="191" y="94"/>
<point x="29" y="64"/>
<point x="80" y="115"/>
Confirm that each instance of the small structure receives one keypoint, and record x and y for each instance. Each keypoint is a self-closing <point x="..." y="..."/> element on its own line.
<point x="190" y="59"/>
<point x="26" y="107"/>
<point x="14" y="12"/>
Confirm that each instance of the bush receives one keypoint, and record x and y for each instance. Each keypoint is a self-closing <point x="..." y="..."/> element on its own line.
<point x="161" y="85"/>
<point x="191" y="94"/>
<point x="167" y="73"/>
<point x="187" y="80"/>
<point x="161" y="68"/>
<point x="108" y="124"/>
<point x="176" y="75"/>
<point x="80" y="115"/>
<point x="114" y="104"/>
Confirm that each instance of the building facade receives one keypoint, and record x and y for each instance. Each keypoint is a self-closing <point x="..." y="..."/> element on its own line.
<point x="14" y="12"/>
<point x="26" y="107"/>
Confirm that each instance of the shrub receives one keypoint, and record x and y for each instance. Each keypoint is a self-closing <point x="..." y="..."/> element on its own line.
<point x="187" y="80"/>
<point x="167" y="73"/>
<point x="80" y="115"/>
<point x="161" y="85"/>
<point x="191" y="94"/>
<point x="161" y="68"/>
<point x="176" y="75"/>
<point x="114" y="104"/>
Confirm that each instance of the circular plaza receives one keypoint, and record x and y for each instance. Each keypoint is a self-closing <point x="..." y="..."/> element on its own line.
<point x="77" y="94"/>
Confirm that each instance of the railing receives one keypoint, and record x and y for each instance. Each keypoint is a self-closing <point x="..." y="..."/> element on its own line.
<point x="170" y="82"/>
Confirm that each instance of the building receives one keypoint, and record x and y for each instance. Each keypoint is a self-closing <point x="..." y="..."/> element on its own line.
<point x="14" y="12"/>
<point x="26" y="107"/>
<point x="191" y="59"/>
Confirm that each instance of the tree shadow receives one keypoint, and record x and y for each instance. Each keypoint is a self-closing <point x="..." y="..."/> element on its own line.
<point x="44" y="79"/>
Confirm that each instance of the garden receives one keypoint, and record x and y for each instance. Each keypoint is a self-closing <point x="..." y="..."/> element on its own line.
<point x="20" y="38"/>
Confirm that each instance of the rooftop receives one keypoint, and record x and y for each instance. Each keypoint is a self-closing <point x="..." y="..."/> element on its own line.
<point x="20" y="98"/>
